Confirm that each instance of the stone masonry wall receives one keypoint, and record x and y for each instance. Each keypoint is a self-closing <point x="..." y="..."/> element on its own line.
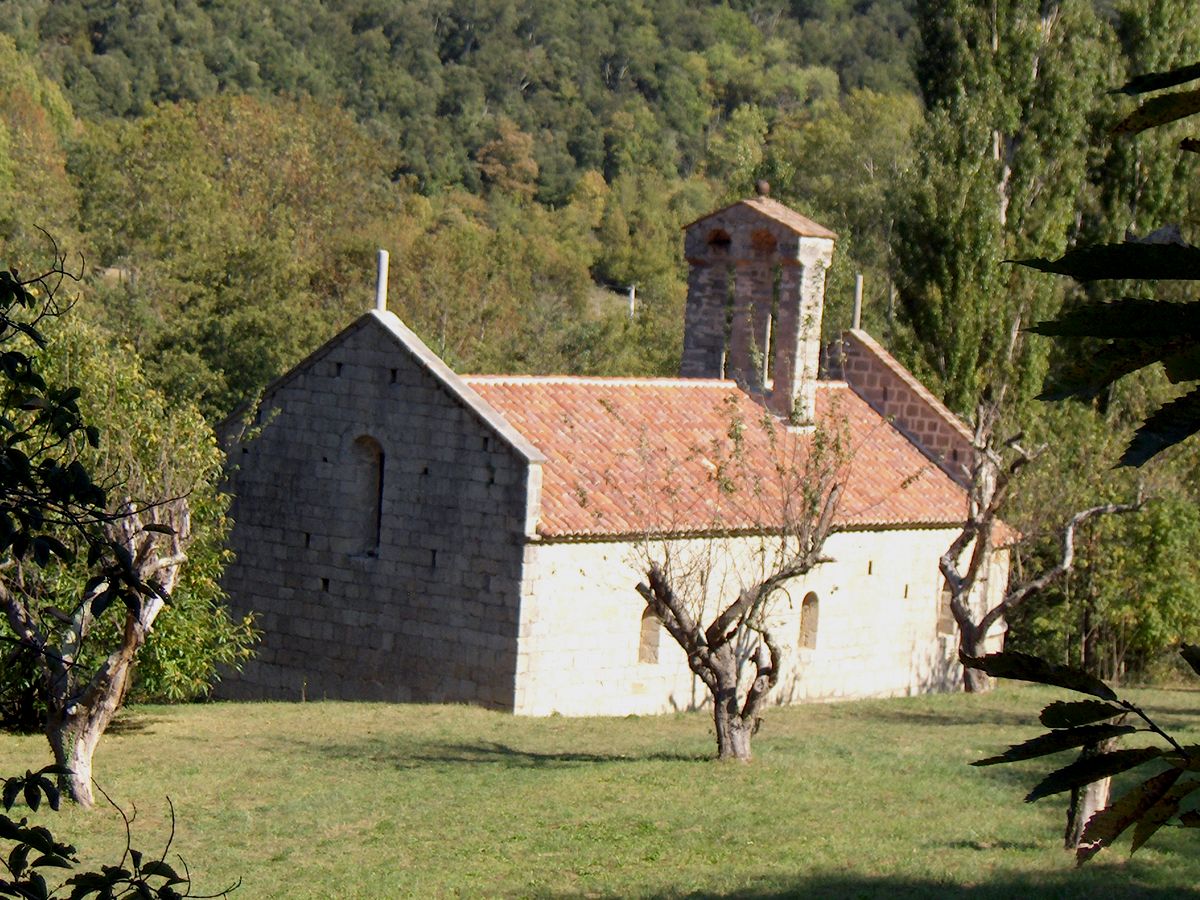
<point x="430" y="614"/>
<point x="876" y="376"/>
<point x="877" y="626"/>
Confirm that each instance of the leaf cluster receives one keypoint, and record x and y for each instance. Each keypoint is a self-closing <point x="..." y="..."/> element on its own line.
<point x="1155" y="801"/>
<point x="51" y="507"/>
<point x="34" y="847"/>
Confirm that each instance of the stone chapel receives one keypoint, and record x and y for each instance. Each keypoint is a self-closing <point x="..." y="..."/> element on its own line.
<point x="406" y="533"/>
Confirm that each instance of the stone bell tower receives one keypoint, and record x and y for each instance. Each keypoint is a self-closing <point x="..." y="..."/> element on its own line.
<point x="756" y="288"/>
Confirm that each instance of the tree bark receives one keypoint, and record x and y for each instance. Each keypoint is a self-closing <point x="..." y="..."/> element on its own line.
<point x="75" y="726"/>
<point x="971" y="642"/>
<point x="1088" y="800"/>
<point x="976" y="681"/>
<point x="733" y="732"/>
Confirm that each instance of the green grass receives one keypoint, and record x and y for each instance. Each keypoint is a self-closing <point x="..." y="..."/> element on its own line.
<point x="868" y="799"/>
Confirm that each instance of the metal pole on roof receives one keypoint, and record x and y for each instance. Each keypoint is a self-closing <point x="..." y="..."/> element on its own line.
<point x="381" y="276"/>
<point x="857" y="302"/>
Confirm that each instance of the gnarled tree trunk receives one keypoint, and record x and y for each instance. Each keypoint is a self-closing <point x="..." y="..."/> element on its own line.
<point x="991" y="480"/>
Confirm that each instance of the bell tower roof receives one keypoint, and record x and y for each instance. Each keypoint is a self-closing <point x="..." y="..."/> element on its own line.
<point x="776" y="213"/>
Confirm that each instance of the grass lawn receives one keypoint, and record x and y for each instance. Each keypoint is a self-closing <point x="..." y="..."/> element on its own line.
<point x="866" y="799"/>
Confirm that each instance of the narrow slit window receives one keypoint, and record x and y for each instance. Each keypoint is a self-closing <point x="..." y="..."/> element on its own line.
<point x="368" y="471"/>
<point x="810" y="613"/>
<point x="945" y="623"/>
<point x="650" y="634"/>
<point x="727" y="323"/>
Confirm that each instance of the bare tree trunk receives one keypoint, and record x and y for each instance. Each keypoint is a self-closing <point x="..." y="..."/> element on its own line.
<point x="733" y="732"/>
<point x="1089" y="800"/>
<point x="972" y="643"/>
<point x="976" y="682"/>
<point x="75" y="727"/>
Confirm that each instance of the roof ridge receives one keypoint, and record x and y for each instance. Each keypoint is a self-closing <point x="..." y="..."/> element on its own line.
<point x="601" y="380"/>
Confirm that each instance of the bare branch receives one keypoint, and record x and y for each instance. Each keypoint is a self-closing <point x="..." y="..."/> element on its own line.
<point x="1066" y="561"/>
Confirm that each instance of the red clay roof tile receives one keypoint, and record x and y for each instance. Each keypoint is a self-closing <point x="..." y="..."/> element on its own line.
<point x="634" y="456"/>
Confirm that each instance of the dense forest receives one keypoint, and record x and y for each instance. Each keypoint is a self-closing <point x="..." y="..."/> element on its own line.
<point x="220" y="174"/>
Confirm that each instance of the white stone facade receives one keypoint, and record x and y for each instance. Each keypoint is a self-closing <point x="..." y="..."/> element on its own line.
<point x="876" y="633"/>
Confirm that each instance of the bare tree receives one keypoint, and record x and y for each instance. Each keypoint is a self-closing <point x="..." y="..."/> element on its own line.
<point x="715" y="596"/>
<point x="994" y="470"/>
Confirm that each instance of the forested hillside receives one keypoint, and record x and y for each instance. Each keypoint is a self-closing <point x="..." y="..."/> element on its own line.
<point x="226" y="168"/>
<point x="223" y="172"/>
<point x="612" y="86"/>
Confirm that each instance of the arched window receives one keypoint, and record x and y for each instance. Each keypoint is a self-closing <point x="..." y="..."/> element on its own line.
<point x="810" y="613"/>
<point x="367" y="499"/>
<point x="651" y="632"/>
<point x="719" y="240"/>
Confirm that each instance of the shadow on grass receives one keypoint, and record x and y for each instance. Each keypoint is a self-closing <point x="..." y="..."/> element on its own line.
<point x="1112" y="885"/>
<point x="491" y="753"/>
<point x="134" y="723"/>
<point x="1088" y="884"/>
<point x="959" y="718"/>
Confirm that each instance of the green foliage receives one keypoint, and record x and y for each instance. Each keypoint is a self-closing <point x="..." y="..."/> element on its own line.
<point x="1134" y="594"/>
<point x="234" y="236"/>
<point x="153" y="449"/>
<point x="1000" y="162"/>
<point x="841" y="162"/>
<point x="612" y="85"/>
<point x="1157" y="332"/>
<point x="1149" y="805"/>
<point x="35" y="124"/>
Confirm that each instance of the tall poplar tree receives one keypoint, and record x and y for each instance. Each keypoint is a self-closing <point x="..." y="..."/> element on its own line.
<point x="1143" y="182"/>
<point x="1001" y="158"/>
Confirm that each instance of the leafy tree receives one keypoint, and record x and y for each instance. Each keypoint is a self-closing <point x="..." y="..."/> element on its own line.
<point x="999" y="164"/>
<point x="842" y="162"/>
<point x="506" y="162"/>
<point x="618" y="85"/>
<point x="1132" y="596"/>
<point x="1135" y="332"/>
<point x="35" y="124"/>
<point x="52" y="509"/>
<point x="235" y="235"/>
<point x="153" y="448"/>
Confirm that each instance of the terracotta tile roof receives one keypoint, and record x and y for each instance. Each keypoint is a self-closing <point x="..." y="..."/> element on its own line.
<point x="631" y="456"/>
<point x="784" y="215"/>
